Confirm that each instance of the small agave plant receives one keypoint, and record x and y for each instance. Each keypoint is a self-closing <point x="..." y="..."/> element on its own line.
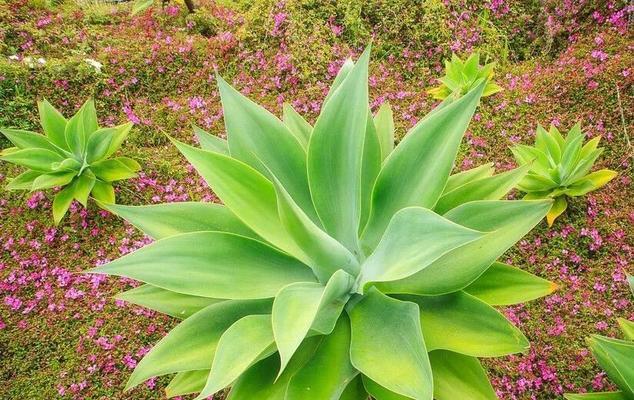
<point x="339" y="267"/>
<point x="560" y="167"/>
<point x="74" y="154"/>
<point x="462" y="76"/>
<point x="616" y="357"/>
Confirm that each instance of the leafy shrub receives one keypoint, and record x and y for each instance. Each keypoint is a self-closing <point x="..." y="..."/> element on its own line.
<point x="560" y="167"/>
<point x="462" y="76"/>
<point x="74" y="154"/>
<point x="615" y="356"/>
<point x="339" y="266"/>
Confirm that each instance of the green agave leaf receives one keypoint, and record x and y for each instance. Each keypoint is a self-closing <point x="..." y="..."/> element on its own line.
<point x="371" y="165"/>
<point x="433" y="142"/>
<point x="414" y="239"/>
<point x="329" y="372"/>
<point x="548" y="144"/>
<point x="505" y="221"/>
<point x="54" y="179"/>
<point x="537" y="159"/>
<point x="558" y="208"/>
<point x="335" y="155"/>
<point x="211" y="142"/>
<point x="213" y="262"/>
<point x="343" y="73"/>
<point x="53" y="123"/>
<point x="261" y="140"/>
<point x="23" y="181"/>
<point x="187" y="382"/>
<point x="502" y="285"/>
<point x="33" y="158"/>
<point x="298" y="126"/>
<point x="457" y="376"/>
<point x="121" y="134"/>
<point x="384" y="122"/>
<point x="80" y="127"/>
<point x="315" y="247"/>
<point x="26" y="140"/>
<point x="83" y="187"/>
<point x="141" y="5"/>
<point x="594" y="181"/>
<point x="242" y="345"/>
<point x="570" y="154"/>
<point x="69" y="164"/>
<point x="355" y="390"/>
<point x="630" y="281"/>
<point x="177" y="305"/>
<point x="378" y="392"/>
<point x="627" y="327"/>
<point x="387" y="345"/>
<point x="596" y="396"/>
<point x="489" y="188"/>
<point x="464" y="177"/>
<point x="98" y="144"/>
<point x="536" y="183"/>
<point x="615" y="357"/>
<point x="169" y="219"/>
<point x="463" y="324"/>
<point x="115" y="169"/>
<point x="103" y="192"/>
<point x="558" y="137"/>
<point x="300" y="306"/>
<point x="191" y="345"/>
<point x="62" y="201"/>
<point x="246" y="192"/>
<point x="261" y="381"/>
<point x="583" y="167"/>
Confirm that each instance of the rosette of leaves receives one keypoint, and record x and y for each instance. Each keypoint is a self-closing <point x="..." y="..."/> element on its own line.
<point x="74" y="154"/>
<point x="462" y="76"/>
<point x="339" y="266"/>
<point x="560" y="167"/>
<point x="616" y="357"/>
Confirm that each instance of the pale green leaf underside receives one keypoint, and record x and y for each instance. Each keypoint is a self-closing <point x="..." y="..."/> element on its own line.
<point x="457" y="376"/>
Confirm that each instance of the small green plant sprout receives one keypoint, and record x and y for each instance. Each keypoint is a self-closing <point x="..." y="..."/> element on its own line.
<point x="462" y="76"/>
<point x="339" y="266"/>
<point x="560" y="167"/>
<point x="139" y="6"/>
<point x="616" y="357"/>
<point x="74" y="154"/>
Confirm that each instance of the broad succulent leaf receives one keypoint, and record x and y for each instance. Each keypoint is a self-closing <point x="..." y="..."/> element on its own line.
<point x="72" y="154"/>
<point x="462" y="76"/>
<point x="560" y="167"/>
<point x="615" y="357"/>
<point x="340" y="266"/>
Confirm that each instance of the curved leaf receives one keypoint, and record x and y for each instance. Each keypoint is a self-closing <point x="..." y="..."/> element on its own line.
<point x="23" y="181"/>
<point x="432" y="143"/>
<point x="505" y="221"/>
<point x="300" y="306"/>
<point x="355" y="390"/>
<point x="115" y="169"/>
<point x="80" y="127"/>
<point x="213" y="262"/>
<point x="596" y="396"/>
<point x="298" y="126"/>
<point x="211" y="142"/>
<point x="103" y="192"/>
<point x="243" y="344"/>
<point x="33" y="158"/>
<point x="414" y="239"/>
<point x="335" y="154"/>
<point x="457" y="376"/>
<point x="120" y="135"/>
<point x="387" y="345"/>
<point x="384" y="122"/>
<point x="328" y="373"/>
<point x="463" y="324"/>
<point x="462" y="178"/>
<point x="177" y="305"/>
<point x="371" y="165"/>
<point x="627" y="327"/>
<point x="62" y="201"/>
<point x="98" y="143"/>
<point x="191" y="345"/>
<point x="25" y="140"/>
<point x="187" y="382"/>
<point x="53" y="123"/>
<point x="378" y="392"/>
<point x="259" y="139"/>
<point x="169" y="219"/>
<point x="54" y="179"/>
<point x="502" y="285"/>
<point x="615" y="357"/>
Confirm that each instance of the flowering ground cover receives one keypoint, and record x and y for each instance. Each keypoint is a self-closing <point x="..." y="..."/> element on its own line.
<point x="62" y="335"/>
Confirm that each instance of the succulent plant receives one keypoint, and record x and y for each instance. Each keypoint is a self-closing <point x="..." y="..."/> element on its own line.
<point x="462" y="76"/>
<point x="616" y="357"/>
<point x="339" y="266"/>
<point x="560" y="167"/>
<point x="74" y="154"/>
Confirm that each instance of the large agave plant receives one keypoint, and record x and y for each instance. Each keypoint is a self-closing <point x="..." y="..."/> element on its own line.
<point x="462" y="76"/>
<point x="559" y="167"/>
<point x="74" y="154"/>
<point x="339" y="266"/>
<point x="616" y="357"/>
